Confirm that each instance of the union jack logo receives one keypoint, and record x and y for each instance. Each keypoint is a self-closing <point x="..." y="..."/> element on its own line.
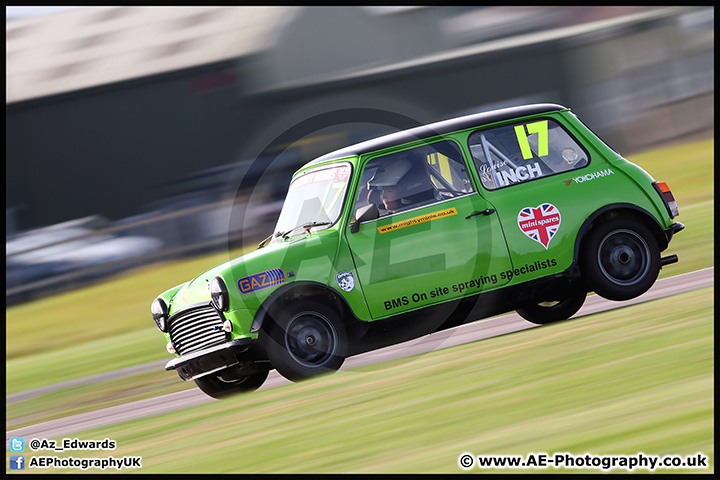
<point x="540" y="223"/>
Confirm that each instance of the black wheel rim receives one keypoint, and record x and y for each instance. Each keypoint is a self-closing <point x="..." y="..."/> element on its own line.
<point x="311" y="339"/>
<point x="549" y="304"/>
<point x="624" y="257"/>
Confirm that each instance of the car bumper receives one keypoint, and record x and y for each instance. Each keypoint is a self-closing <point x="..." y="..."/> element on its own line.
<point x="674" y="228"/>
<point x="210" y="360"/>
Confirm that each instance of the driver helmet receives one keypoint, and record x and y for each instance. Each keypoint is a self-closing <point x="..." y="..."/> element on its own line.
<point x="409" y="177"/>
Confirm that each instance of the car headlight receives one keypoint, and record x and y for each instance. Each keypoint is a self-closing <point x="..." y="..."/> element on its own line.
<point x="219" y="294"/>
<point x="160" y="314"/>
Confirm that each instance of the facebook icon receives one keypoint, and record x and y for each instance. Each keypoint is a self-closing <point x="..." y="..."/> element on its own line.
<point x="17" y="462"/>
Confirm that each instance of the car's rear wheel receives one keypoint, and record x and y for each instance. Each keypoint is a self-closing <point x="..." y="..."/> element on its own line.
<point x="553" y="311"/>
<point x="218" y="387"/>
<point x="305" y="339"/>
<point x="620" y="259"/>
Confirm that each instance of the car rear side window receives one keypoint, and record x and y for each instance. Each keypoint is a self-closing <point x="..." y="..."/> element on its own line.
<point x="518" y="153"/>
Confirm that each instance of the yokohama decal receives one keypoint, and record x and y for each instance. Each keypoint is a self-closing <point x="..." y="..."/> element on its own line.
<point x="540" y="223"/>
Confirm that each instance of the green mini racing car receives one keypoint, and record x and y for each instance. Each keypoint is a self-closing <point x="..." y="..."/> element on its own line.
<point x="522" y="208"/>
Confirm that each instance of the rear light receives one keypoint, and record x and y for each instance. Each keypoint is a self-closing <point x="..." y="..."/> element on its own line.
<point x="667" y="196"/>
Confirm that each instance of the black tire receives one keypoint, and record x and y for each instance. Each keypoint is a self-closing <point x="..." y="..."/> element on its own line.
<point x="620" y="259"/>
<point x="305" y="339"/>
<point x="553" y="311"/>
<point x="215" y="386"/>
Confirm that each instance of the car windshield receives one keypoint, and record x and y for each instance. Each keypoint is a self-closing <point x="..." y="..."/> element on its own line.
<point x="314" y="198"/>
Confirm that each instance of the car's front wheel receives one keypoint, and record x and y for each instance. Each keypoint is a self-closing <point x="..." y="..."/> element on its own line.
<point x="304" y="340"/>
<point x="218" y="387"/>
<point x="620" y="259"/>
<point x="553" y="311"/>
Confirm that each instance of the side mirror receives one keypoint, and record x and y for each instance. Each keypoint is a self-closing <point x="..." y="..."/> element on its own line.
<point x="364" y="214"/>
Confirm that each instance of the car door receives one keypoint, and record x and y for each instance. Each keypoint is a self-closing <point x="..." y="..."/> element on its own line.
<point x="441" y="241"/>
<point x="528" y="169"/>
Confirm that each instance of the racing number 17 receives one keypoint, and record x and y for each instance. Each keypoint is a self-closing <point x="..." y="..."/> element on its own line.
<point x="541" y="128"/>
<point x="338" y="186"/>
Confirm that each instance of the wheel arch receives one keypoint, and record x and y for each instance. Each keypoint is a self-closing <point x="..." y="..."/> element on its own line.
<point x="627" y="210"/>
<point x="303" y="290"/>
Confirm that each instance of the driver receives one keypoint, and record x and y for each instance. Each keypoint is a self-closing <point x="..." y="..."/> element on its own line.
<point x="403" y="183"/>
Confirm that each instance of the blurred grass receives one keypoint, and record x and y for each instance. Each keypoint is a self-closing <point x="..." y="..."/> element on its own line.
<point x="636" y="379"/>
<point x="89" y="397"/>
<point x="688" y="170"/>
<point x="108" y="326"/>
<point x="87" y="358"/>
<point x="99" y="311"/>
<point x="94" y="329"/>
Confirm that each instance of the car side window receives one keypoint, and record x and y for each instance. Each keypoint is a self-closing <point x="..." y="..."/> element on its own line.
<point x="522" y="152"/>
<point x="413" y="178"/>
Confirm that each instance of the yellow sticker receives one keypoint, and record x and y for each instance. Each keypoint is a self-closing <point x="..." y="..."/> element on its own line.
<point x="541" y="128"/>
<point x="415" y="220"/>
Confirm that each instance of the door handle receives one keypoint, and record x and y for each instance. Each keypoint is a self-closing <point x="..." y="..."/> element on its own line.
<point x="487" y="211"/>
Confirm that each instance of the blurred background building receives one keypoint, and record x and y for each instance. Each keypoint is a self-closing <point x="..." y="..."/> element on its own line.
<point x="152" y="132"/>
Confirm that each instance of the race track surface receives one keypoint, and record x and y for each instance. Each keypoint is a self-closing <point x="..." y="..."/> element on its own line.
<point x="471" y="332"/>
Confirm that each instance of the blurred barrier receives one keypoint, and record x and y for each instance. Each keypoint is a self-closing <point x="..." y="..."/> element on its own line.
<point x="34" y="271"/>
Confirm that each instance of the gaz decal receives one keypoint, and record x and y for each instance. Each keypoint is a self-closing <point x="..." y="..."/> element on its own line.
<point x="260" y="280"/>
<point x="540" y="223"/>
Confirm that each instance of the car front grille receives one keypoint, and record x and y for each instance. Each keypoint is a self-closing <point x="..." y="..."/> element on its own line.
<point x="196" y="328"/>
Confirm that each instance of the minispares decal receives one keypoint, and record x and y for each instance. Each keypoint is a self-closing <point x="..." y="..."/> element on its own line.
<point x="260" y="280"/>
<point x="540" y="223"/>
